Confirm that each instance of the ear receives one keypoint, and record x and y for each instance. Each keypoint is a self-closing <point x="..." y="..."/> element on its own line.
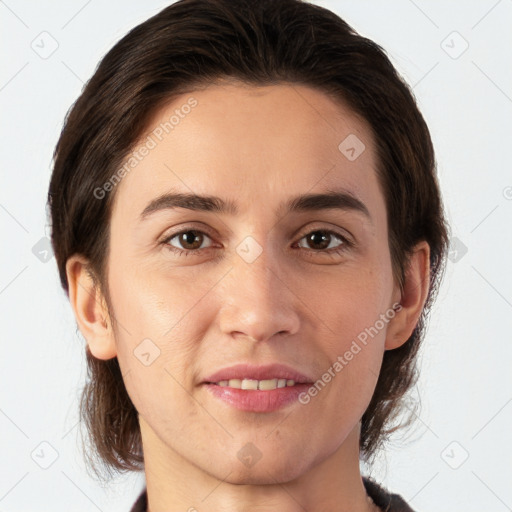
<point x="90" y="308"/>
<point x="411" y="297"/>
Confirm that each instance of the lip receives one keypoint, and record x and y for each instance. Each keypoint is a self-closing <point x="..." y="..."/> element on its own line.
<point x="258" y="372"/>
<point x="260" y="401"/>
<point x="257" y="401"/>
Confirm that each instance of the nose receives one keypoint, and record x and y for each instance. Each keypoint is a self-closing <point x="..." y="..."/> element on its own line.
<point x="258" y="299"/>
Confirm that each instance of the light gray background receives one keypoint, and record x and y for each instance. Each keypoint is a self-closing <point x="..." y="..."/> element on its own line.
<point x="457" y="457"/>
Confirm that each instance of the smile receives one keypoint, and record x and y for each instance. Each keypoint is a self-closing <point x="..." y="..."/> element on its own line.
<point x="252" y="384"/>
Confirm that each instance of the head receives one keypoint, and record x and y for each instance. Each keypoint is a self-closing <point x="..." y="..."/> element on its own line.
<point x="256" y="103"/>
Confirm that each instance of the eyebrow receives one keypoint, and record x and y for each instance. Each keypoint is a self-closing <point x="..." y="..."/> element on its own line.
<point x="332" y="199"/>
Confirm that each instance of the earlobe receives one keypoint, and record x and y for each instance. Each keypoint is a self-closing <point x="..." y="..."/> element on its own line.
<point x="89" y="307"/>
<point x="412" y="297"/>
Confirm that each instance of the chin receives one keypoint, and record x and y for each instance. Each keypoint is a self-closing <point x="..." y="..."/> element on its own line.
<point x="261" y="476"/>
<point x="278" y="469"/>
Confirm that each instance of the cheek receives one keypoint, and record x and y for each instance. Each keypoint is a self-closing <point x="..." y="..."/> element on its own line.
<point x="158" y="304"/>
<point x="157" y="335"/>
<point x="348" y="304"/>
<point x="352" y="330"/>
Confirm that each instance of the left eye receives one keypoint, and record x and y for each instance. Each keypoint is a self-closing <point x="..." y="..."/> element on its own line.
<point x="324" y="239"/>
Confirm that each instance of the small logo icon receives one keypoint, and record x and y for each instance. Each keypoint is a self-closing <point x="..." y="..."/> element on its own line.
<point x="351" y="147"/>
<point x="44" y="455"/>
<point x="249" y="455"/>
<point x="42" y="250"/>
<point x="455" y="455"/>
<point x="249" y="249"/>
<point x="454" y="45"/>
<point x="457" y="250"/>
<point x="45" y="45"/>
<point x="146" y="352"/>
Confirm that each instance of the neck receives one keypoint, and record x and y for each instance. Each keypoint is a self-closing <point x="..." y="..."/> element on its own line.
<point x="175" y="484"/>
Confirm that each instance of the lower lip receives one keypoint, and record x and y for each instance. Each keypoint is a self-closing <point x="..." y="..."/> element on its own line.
<point x="255" y="400"/>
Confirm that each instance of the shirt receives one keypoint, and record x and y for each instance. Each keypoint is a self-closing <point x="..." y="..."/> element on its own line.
<point x="386" y="501"/>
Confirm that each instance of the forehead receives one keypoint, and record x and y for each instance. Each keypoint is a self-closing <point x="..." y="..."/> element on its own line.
<point x="251" y="145"/>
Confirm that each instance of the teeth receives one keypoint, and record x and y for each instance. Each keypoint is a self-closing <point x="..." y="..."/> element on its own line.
<point x="249" y="384"/>
<point x="264" y="385"/>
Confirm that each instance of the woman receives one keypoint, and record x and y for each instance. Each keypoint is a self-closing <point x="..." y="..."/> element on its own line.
<point x="247" y="221"/>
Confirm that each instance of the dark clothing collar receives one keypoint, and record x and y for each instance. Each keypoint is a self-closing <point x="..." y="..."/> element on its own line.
<point x="386" y="501"/>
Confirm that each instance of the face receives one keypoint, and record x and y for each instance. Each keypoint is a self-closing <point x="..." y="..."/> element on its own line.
<point x="196" y="290"/>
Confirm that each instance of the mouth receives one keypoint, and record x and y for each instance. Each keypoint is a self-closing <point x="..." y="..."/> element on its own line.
<point x="253" y="377"/>
<point x="258" y="388"/>
<point x="254" y="384"/>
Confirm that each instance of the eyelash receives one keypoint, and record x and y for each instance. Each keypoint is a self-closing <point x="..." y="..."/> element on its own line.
<point x="190" y="252"/>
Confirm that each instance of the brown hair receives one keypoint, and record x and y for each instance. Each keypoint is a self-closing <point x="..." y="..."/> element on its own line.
<point x="193" y="43"/>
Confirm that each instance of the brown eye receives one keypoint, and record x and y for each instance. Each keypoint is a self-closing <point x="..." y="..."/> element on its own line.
<point x="189" y="240"/>
<point x="320" y="240"/>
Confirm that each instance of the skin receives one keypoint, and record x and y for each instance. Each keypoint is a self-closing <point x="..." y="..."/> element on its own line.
<point x="256" y="146"/>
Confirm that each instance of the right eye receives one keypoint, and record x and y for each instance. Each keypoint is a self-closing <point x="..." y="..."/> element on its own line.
<point x="191" y="240"/>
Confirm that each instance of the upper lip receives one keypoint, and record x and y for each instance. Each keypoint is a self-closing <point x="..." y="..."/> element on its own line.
<point x="258" y="372"/>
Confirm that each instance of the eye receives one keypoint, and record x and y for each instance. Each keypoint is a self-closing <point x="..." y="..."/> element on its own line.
<point x="322" y="240"/>
<point x="190" y="240"/>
